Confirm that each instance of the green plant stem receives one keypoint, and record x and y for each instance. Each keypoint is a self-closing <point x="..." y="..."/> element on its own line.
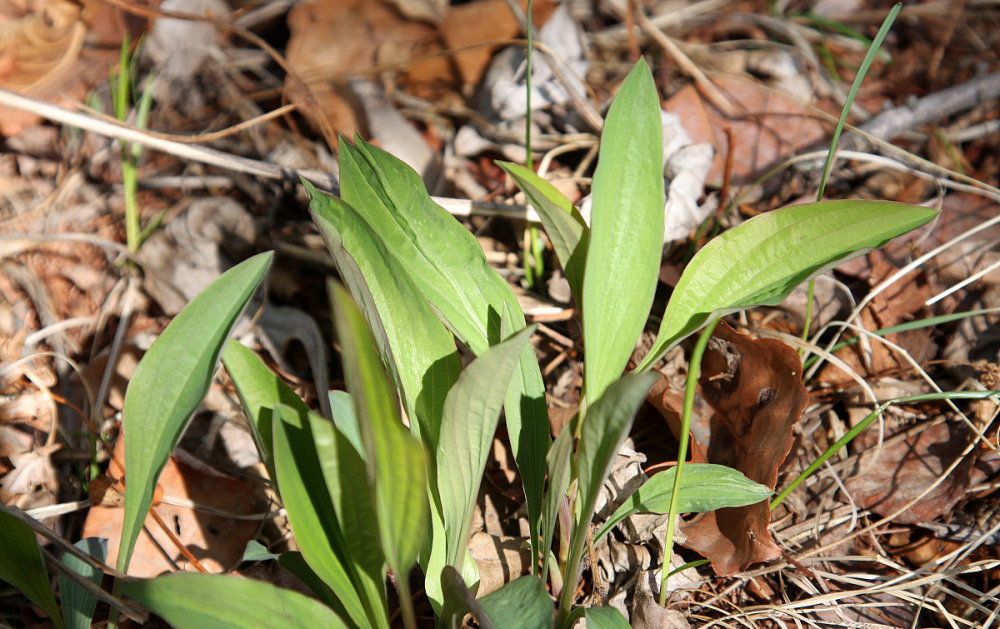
<point x="867" y="421"/>
<point x="406" y="601"/>
<point x="570" y="575"/>
<point x="694" y="368"/>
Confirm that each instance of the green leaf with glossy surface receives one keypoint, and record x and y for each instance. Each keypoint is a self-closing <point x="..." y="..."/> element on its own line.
<point x="170" y="382"/>
<point x="761" y="261"/>
<point x="211" y="601"/>
<point x="704" y="487"/>
<point x="313" y="516"/>
<point x="450" y="270"/>
<point x="397" y="465"/>
<point x="626" y="231"/>
<point x="259" y="389"/>
<point x="563" y="223"/>
<point x="415" y="347"/>
<point x="78" y="604"/>
<point x="22" y="564"/>
<point x="471" y="413"/>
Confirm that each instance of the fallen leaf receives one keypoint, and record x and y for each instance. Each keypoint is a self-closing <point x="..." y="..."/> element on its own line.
<point x="32" y="469"/>
<point x="755" y="387"/>
<point x="500" y="560"/>
<point x="774" y="128"/>
<point x="215" y="540"/>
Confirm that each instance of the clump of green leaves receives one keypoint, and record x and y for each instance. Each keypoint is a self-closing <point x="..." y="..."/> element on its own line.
<point x="364" y="493"/>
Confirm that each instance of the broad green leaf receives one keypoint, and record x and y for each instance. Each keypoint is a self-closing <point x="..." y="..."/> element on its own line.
<point x="22" y="565"/>
<point x="313" y="516"/>
<point x="210" y="601"/>
<point x="397" y="464"/>
<point x="78" y="604"/>
<point x="761" y="261"/>
<point x="559" y="459"/>
<point x="704" y="487"/>
<point x="450" y="270"/>
<point x="171" y="381"/>
<point x="626" y="231"/>
<point x="471" y="413"/>
<point x="416" y="349"/>
<point x="342" y="408"/>
<point x="605" y="617"/>
<point x="563" y="223"/>
<point x="521" y="604"/>
<point x="260" y="389"/>
<point x="296" y="564"/>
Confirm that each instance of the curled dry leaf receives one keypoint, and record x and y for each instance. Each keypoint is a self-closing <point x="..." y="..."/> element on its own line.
<point x="755" y="387"/>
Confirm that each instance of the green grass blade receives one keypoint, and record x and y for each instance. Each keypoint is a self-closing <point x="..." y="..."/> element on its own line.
<point x="397" y="467"/>
<point x="559" y="458"/>
<point x="761" y="261"/>
<point x="78" y="604"/>
<point x="171" y="381"/>
<point x="313" y="516"/>
<point x="704" y="487"/>
<point x="415" y="347"/>
<point x="563" y="223"/>
<point x="626" y="231"/>
<point x="858" y="79"/>
<point x="471" y="413"/>
<point x="209" y="601"/>
<point x="22" y="565"/>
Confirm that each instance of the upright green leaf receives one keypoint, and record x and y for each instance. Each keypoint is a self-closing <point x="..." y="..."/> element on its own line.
<point x="450" y="270"/>
<point x="259" y="389"/>
<point x="416" y="349"/>
<point x="78" y="604"/>
<point x="704" y="487"/>
<point x="626" y="231"/>
<point x="342" y="408"/>
<point x="563" y="223"/>
<point x="171" y="381"/>
<point x="601" y="436"/>
<point x="312" y="513"/>
<point x="471" y="413"/>
<point x="190" y="600"/>
<point x="761" y="261"/>
<point x="397" y="467"/>
<point x="22" y="565"/>
<point x="559" y="458"/>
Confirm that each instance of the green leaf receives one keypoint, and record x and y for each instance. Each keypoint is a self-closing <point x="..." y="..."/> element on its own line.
<point x="78" y="604"/>
<point x="704" y="487"/>
<point x="259" y="389"/>
<point x="605" y="617"/>
<point x="415" y="347"/>
<point x="521" y="604"/>
<point x="563" y="223"/>
<point x="295" y="563"/>
<point x="171" y="381"/>
<point x="560" y="458"/>
<point x="471" y="413"/>
<point x="451" y="271"/>
<point x="210" y="601"/>
<point x="342" y="409"/>
<point x="761" y="261"/>
<point x="22" y="564"/>
<point x="298" y="461"/>
<point x="397" y="467"/>
<point x="626" y="231"/>
<point x="603" y="431"/>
